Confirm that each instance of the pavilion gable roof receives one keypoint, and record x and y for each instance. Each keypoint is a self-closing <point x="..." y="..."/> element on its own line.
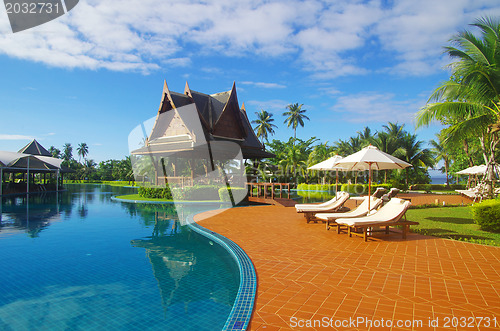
<point x="34" y="148"/>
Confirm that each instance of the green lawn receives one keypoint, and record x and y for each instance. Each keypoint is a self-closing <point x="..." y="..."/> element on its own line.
<point x="138" y="197"/>
<point x="108" y="182"/>
<point x="452" y="223"/>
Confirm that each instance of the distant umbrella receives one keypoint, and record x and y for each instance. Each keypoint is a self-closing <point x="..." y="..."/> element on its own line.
<point x="329" y="165"/>
<point x="370" y="158"/>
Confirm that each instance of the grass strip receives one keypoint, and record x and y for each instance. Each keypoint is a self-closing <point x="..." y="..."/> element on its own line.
<point x="451" y="223"/>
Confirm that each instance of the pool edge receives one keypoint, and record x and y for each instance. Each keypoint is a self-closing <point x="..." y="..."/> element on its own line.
<point x="241" y="313"/>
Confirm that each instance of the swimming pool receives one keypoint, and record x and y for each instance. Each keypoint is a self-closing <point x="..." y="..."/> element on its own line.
<point x="77" y="260"/>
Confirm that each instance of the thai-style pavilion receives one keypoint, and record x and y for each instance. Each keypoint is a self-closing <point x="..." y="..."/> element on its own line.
<point x="196" y="126"/>
<point x="32" y="160"/>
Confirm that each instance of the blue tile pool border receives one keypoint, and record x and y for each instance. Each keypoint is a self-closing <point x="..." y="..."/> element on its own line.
<point x="240" y="315"/>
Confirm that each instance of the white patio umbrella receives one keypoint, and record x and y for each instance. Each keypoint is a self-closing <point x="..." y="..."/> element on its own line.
<point x="329" y="165"/>
<point x="370" y="158"/>
<point x="474" y="170"/>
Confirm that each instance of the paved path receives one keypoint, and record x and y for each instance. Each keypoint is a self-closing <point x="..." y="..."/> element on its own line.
<point x="309" y="275"/>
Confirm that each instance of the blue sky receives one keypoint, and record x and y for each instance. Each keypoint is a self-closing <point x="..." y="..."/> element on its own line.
<point x="95" y="73"/>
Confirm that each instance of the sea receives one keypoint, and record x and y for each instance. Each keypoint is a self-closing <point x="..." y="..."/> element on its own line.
<point x="438" y="179"/>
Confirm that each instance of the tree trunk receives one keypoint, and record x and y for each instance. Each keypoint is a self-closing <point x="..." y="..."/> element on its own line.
<point x="446" y="173"/>
<point x="490" y="170"/>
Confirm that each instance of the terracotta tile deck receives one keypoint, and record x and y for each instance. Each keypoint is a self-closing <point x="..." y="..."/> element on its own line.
<point x="307" y="274"/>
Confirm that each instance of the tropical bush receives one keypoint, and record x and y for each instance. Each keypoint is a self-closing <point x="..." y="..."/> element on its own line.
<point x="155" y="192"/>
<point x="198" y="192"/>
<point x="236" y="191"/>
<point x="487" y="215"/>
<point x="362" y="188"/>
<point x="437" y="187"/>
<point x="316" y="187"/>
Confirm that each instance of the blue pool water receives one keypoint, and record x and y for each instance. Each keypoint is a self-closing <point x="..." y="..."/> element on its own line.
<point x="79" y="261"/>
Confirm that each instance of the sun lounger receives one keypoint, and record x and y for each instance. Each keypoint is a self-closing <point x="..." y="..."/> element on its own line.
<point x="474" y="193"/>
<point x="390" y="214"/>
<point x="380" y="191"/>
<point x="326" y="207"/>
<point x="359" y="211"/>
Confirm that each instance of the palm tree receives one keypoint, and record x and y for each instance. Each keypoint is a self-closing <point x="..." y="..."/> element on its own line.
<point x="67" y="152"/>
<point x="264" y="125"/>
<point x="87" y="169"/>
<point x="83" y="150"/>
<point x="55" y="152"/>
<point x="412" y="152"/>
<point x="472" y="93"/>
<point x="366" y="136"/>
<point x="293" y="158"/>
<point x="295" y="117"/>
<point x="441" y="152"/>
<point x="319" y="153"/>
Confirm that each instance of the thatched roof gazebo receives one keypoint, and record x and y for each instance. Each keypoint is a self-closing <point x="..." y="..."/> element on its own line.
<point x="30" y="160"/>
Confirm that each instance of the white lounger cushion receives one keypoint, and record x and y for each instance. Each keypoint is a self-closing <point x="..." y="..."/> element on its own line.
<point x="328" y="205"/>
<point x="391" y="211"/>
<point x="361" y="210"/>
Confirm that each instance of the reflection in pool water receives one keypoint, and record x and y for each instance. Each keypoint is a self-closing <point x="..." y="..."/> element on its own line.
<point x="77" y="260"/>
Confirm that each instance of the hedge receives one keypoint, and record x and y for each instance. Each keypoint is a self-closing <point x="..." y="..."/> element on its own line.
<point x="235" y="191"/>
<point x="487" y="215"/>
<point x="351" y="188"/>
<point x="316" y="187"/>
<point x="155" y="192"/>
<point x="437" y="187"/>
<point x="198" y="193"/>
<point x="362" y="188"/>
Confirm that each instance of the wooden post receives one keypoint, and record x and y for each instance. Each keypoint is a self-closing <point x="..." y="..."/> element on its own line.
<point x="191" y="165"/>
<point x="28" y="177"/>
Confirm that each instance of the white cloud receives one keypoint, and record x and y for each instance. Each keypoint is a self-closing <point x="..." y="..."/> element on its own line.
<point x="327" y="39"/>
<point x="366" y="107"/>
<point x="416" y="31"/>
<point x="15" y="137"/>
<point x="264" y="85"/>
<point x="276" y="106"/>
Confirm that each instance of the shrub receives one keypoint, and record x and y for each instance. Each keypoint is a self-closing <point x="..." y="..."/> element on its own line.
<point x="235" y="191"/>
<point x="355" y="188"/>
<point x="155" y="192"/>
<point x="436" y="187"/>
<point x="362" y="188"/>
<point x="487" y="215"/>
<point x="198" y="193"/>
<point x="316" y="187"/>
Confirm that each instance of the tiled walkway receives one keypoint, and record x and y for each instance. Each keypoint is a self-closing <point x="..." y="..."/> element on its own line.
<point x="308" y="275"/>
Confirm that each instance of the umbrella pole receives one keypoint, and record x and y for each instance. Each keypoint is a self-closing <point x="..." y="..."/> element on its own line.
<point x="336" y="181"/>
<point x="369" y="183"/>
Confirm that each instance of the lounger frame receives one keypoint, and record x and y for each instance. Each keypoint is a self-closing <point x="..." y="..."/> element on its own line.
<point x="368" y="229"/>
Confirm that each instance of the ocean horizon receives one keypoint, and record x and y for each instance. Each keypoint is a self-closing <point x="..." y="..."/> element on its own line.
<point x="438" y="180"/>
